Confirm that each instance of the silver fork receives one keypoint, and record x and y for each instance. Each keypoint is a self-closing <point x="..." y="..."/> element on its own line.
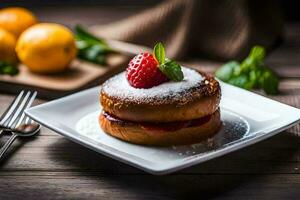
<point x="10" y="111"/>
<point x="15" y="121"/>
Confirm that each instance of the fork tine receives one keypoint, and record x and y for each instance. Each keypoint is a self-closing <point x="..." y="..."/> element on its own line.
<point x="11" y="108"/>
<point x="28" y="120"/>
<point x="22" y="118"/>
<point x="17" y="112"/>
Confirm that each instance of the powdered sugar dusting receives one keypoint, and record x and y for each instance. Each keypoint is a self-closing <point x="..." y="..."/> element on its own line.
<point x="118" y="86"/>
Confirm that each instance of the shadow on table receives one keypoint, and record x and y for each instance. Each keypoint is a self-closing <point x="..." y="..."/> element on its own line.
<point x="14" y="148"/>
<point x="209" y="179"/>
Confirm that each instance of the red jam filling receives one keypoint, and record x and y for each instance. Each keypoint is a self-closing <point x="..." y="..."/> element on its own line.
<point x="165" y="126"/>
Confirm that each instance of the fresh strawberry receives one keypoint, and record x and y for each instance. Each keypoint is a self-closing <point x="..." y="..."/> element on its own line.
<point x="143" y="71"/>
<point x="147" y="70"/>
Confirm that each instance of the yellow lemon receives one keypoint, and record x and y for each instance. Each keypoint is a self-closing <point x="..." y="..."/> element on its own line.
<point x="16" y="20"/>
<point x="46" y="48"/>
<point x="7" y="46"/>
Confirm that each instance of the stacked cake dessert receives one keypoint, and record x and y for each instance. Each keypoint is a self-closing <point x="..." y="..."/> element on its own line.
<point x="158" y="102"/>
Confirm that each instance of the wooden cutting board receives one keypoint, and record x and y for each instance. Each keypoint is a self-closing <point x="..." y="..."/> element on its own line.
<point x="81" y="75"/>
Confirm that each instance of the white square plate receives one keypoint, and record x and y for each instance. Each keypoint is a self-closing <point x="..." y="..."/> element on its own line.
<point x="247" y="118"/>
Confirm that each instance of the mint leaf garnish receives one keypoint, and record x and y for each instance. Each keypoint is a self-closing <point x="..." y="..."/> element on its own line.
<point x="168" y="67"/>
<point x="258" y="52"/>
<point x="269" y="82"/>
<point x="250" y="73"/>
<point x="172" y="70"/>
<point x="159" y="52"/>
<point x="226" y="72"/>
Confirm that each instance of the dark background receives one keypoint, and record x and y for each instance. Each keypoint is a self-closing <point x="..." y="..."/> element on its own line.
<point x="290" y="9"/>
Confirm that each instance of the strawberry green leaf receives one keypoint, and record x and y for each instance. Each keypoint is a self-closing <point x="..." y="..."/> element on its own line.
<point x="159" y="53"/>
<point x="172" y="70"/>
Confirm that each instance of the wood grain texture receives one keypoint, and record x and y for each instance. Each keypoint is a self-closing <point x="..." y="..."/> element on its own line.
<point x="81" y="75"/>
<point x="82" y="185"/>
<point x="51" y="167"/>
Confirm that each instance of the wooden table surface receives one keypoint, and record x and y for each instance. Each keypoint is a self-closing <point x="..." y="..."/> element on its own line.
<point x="51" y="167"/>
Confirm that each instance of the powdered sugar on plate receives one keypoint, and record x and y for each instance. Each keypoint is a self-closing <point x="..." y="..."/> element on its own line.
<point x="118" y="86"/>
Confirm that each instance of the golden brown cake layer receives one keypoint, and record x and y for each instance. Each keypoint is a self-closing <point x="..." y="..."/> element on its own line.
<point x="199" y="99"/>
<point x="161" y="134"/>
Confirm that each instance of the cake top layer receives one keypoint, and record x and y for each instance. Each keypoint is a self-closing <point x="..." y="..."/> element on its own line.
<point x="118" y="87"/>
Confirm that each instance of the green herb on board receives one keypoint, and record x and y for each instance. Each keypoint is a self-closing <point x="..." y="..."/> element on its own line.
<point x="90" y="47"/>
<point x="8" y="69"/>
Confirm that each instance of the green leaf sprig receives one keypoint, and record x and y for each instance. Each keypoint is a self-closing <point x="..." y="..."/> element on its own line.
<point x="7" y="68"/>
<point x="250" y="73"/>
<point x="90" y="47"/>
<point x="167" y="66"/>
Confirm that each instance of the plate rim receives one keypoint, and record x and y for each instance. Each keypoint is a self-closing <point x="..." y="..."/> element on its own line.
<point x="152" y="167"/>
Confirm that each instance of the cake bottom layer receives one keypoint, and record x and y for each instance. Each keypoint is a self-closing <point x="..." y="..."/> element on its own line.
<point x="161" y="134"/>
